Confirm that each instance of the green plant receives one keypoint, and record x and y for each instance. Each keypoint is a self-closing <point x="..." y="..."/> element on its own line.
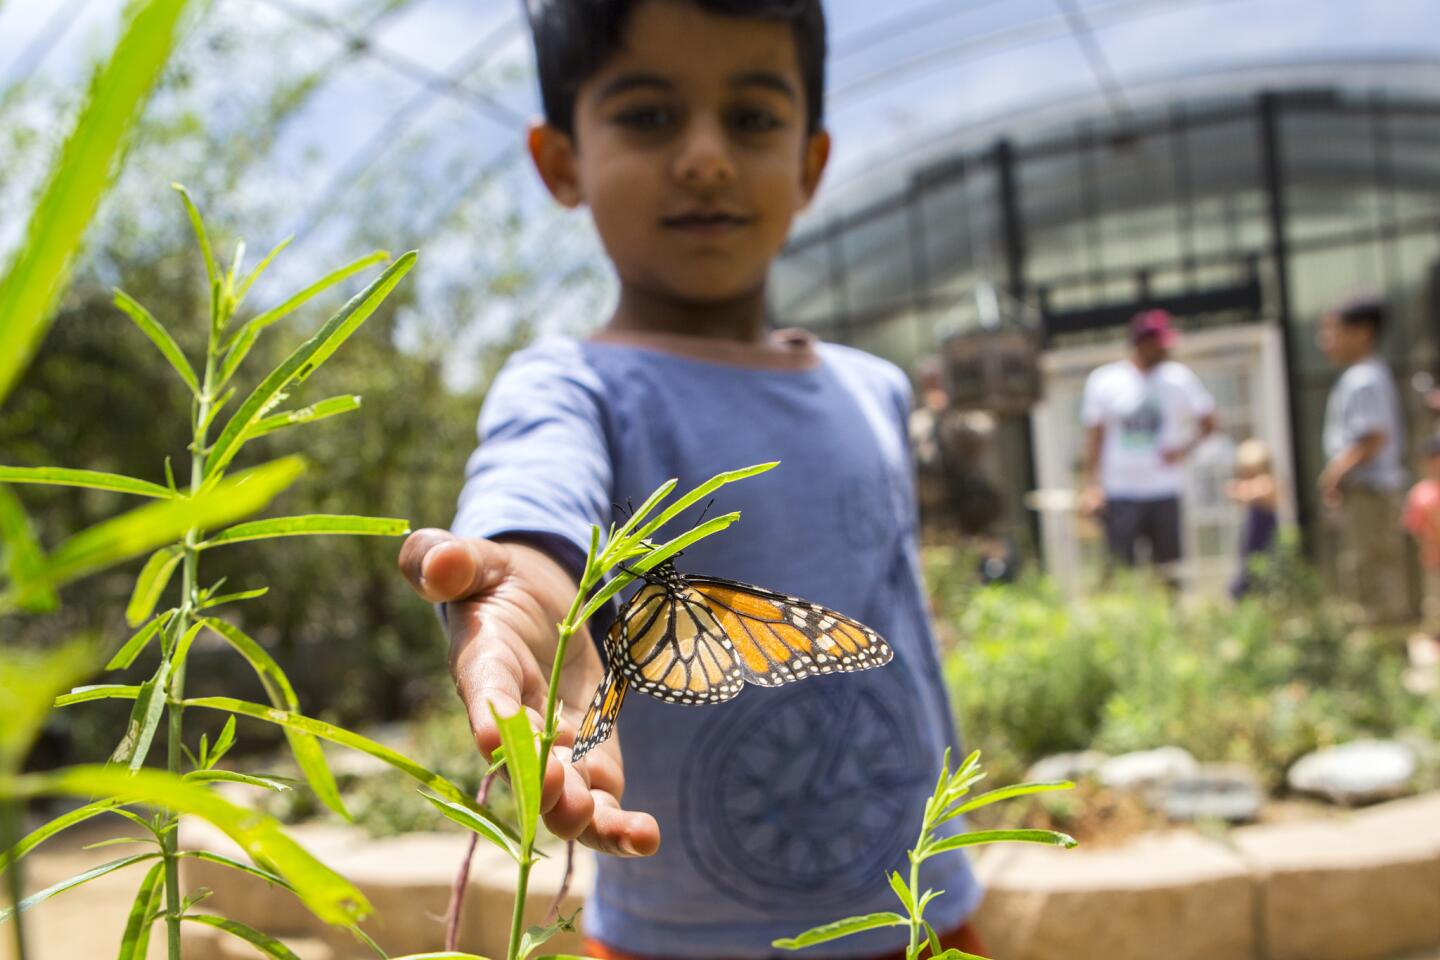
<point x="191" y="518"/>
<point x="945" y="804"/>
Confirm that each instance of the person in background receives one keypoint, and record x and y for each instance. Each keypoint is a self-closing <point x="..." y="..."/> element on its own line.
<point x="1422" y="519"/>
<point x="1143" y="416"/>
<point x="1255" y="489"/>
<point x="1361" y="484"/>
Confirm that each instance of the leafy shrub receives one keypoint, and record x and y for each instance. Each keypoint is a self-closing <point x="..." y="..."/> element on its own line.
<point x="1263" y="681"/>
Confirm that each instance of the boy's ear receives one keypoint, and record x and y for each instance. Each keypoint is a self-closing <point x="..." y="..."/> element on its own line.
<point x="817" y="155"/>
<point x="553" y="152"/>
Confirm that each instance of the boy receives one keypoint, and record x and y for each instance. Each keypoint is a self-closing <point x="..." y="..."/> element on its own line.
<point x="691" y="129"/>
<point x="1363" y="476"/>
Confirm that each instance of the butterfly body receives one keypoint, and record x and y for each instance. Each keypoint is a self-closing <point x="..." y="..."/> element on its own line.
<point x="699" y="640"/>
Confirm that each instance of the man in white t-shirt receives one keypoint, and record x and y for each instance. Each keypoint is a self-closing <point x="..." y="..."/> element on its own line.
<point x="1143" y="416"/>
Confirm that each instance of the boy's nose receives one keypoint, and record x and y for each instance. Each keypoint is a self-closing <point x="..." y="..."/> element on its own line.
<point x="704" y="159"/>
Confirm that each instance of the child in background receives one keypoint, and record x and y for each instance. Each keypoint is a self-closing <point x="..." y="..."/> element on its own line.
<point x="1254" y="488"/>
<point x="691" y="131"/>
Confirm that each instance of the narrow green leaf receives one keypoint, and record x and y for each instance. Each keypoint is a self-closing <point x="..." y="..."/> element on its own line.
<point x="263" y="942"/>
<point x="134" y="747"/>
<point x="78" y="178"/>
<point x="224" y="742"/>
<point x="260" y="269"/>
<point x="153" y="579"/>
<point x="159" y="336"/>
<point x="69" y="883"/>
<point x="840" y="928"/>
<point x="126" y="655"/>
<point x="654" y="558"/>
<point x="137" y="927"/>
<point x="234" y="597"/>
<point x="47" y="830"/>
<point x="304" y="747"/>
<point x="236" y="355"/>
<point x="535" y="936"/>
<point x="318" y="411"/>
<point x="643" y="511"/>
<point x="312" y="525"/>
<point x="30" y="679"/>
<point x="328" y="895"/>
<point x="99" y="691"/>
<point x="897" y="883"/>
<point x="304" y="361"/>
<point x="479" y="823"/>
<point x="953" y="954"/>
<point x="452" y="955"/>
<point x="116" y="841"/>
<point x="934" y="939"/>
<point x="275" y="314"/>
<point x="215" y="409"/>
<point x="195" y="896"/>
<point x="229" y="776"/>
<point x="522" y="763"/>
<point x="345" y="738"/>
<point x="233" y="864"/>
<point x="1006" y="793"/>
<point x="236" y="263"/>
<point x="95" y="479"/>
<point x="145" y="528"/>
<point x="182" y="647"/>
<point x="700" y="493"/>
<point x="197" y="223"/>
<point x="23" y="556"/>
<point x="963" y="840"/>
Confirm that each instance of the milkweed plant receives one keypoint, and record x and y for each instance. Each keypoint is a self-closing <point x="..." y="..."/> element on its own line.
<point x="180" y="524"/>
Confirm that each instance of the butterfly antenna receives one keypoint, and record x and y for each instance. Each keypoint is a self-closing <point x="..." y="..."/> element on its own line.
<point x="701" y="519"/>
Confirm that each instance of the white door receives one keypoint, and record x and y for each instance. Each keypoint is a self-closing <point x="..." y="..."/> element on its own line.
<point x="1243" y="367"/>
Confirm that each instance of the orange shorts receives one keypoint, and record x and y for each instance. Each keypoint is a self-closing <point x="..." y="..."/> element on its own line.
<point x="965" y="939"/>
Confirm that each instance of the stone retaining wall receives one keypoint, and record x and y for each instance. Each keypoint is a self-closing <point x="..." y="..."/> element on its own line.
<point x="1362" y="886"/>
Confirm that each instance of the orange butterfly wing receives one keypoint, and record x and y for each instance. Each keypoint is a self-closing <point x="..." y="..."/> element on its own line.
<point x="780" y="639"/>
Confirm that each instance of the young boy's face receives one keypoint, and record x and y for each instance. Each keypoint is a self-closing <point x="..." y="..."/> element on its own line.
<point x="691" y="151"/>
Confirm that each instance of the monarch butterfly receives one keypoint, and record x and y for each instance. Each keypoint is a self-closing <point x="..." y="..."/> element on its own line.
<point x="695" y="640"/>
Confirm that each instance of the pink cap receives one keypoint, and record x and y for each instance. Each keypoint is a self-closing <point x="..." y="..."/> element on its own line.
<point x="1153" y="323"/>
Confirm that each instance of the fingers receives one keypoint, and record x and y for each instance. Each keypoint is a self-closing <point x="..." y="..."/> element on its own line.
<point x="618" y="832"/>
<point x="442" y="567"/>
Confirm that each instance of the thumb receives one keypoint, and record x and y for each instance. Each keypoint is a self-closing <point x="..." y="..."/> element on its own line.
<point x="442" y="567"/>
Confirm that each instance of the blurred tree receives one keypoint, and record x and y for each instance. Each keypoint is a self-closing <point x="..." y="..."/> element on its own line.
<point x="99" y="396"/>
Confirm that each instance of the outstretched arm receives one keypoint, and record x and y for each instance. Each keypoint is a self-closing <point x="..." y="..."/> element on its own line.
<point x="503" y="601"/>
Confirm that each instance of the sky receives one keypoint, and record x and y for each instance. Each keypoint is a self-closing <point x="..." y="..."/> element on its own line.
<point x="902" y="73"/>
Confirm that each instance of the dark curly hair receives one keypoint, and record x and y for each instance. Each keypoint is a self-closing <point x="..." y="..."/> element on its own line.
<point x="574" y="39"/>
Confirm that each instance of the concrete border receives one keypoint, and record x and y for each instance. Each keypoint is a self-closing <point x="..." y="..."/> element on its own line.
<point x="1359" y="886"/>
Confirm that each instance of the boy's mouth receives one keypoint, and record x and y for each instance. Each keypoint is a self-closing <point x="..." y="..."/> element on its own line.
<point x="705" y="222"/>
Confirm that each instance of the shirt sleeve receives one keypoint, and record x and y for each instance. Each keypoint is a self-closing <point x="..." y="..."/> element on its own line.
<point x="542" y="470"/>
<point x="1198" y="400"/>
<point x="1364" y="412"/>
<point x="1092" y="407"/>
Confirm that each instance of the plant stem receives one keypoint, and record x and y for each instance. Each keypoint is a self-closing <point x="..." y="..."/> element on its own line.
<point x="170" y="840"/>
<point x="547" y="739"/>
<point x="12" y="817"/>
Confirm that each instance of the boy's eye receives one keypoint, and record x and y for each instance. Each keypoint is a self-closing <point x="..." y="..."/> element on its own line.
<point x="646" y="118"/>
<point x="755" y="120"/>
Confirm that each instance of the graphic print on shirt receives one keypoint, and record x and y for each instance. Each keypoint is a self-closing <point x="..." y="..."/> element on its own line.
<point x="795" y="794"/>
<point x="1140" y="430"/>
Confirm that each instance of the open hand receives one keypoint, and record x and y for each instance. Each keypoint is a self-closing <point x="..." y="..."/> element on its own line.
<point x="503" y="601"/>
